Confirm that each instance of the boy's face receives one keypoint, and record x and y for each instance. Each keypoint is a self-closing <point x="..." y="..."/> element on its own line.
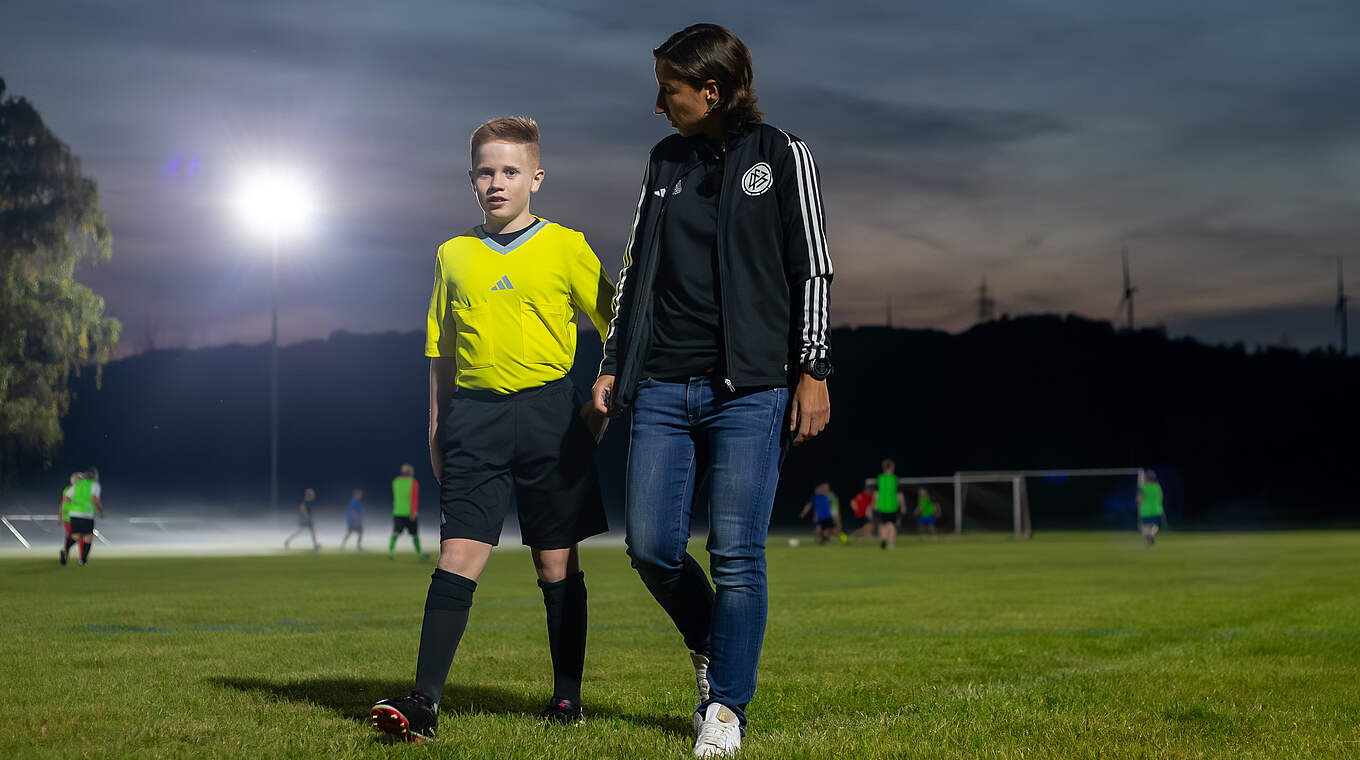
<point x="308" y="495"/>
<point x="358" y="494"/>
<point x="504" y="176"/>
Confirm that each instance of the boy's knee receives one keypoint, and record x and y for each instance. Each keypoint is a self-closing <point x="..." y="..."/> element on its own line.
<point x="553" y="574"/>
<point x="553" y="566"/>
<point x="447" y="562"/>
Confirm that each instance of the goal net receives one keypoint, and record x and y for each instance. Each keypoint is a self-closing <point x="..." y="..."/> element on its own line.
<point x="1009" y="501"/>
<point x="40" y="528"/>
<point x="44" y="530"/>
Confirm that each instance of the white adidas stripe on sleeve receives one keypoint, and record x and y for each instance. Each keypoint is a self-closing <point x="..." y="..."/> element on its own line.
<point x="627" y="262"/>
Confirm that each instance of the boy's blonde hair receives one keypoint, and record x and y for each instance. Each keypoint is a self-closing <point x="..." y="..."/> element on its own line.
<point x="519" y="130"/>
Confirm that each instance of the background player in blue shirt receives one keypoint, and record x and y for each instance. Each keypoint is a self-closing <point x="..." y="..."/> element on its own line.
<point x="827" y="513"/>
<point x="354" y="520"/>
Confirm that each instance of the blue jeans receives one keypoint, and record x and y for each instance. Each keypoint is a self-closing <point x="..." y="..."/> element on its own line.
<point x="694" y="442"/>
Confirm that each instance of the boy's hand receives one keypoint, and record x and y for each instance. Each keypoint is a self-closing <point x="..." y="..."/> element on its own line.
<point x="602" y="396"/>
<point x="595" y="422"/>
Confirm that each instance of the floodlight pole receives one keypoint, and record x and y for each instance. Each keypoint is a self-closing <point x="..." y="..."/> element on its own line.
<point x="274" y="381"/>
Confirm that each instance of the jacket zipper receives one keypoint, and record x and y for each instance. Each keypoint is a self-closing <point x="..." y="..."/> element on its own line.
<point x="722" y="291"/>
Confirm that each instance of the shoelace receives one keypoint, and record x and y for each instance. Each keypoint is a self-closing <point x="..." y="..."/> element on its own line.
<point x="712" y="733"/>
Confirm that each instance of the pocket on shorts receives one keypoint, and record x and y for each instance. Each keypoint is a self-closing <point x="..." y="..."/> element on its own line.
<point x="476" y="348"/>
<point x="547" y="333"/>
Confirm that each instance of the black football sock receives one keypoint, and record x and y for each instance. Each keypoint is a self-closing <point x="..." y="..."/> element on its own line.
<point x="566" y="604"/>
<point x="85" y="550"/>
<point x="446" y="616"/>
<point x="69" y="542"/>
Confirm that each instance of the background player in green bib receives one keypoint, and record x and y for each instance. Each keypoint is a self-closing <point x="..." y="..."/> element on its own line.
<point x="889" y="506"/>
<point x="502" y="331"/>
<point x="1150" y="512"/>
<point x="405" y="509"/>
<point x="83" y="503"/>
<point x="926" y="510"/>
<point x="64" y="511"/>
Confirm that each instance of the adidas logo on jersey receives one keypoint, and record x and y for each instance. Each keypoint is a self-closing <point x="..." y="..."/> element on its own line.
<point x="503" y="284"/>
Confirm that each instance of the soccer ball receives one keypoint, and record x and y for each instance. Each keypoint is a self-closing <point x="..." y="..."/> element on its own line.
<point x="793" y="543"/>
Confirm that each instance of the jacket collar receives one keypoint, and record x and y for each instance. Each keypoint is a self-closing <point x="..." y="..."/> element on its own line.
<point x="697" y="144"/>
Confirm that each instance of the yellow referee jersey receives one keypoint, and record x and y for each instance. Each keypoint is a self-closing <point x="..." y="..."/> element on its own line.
<point x="508" y="313"/>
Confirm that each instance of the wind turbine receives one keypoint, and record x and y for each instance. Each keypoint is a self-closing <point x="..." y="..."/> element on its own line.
<point x="1127" y="301"/>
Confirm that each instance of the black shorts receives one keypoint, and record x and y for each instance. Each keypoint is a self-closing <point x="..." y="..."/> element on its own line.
<point x="826" y="524"/>
<point x="532" y="444"/>
<point x="402" y="523"/>
<point x="82" y="525"/>
<point x="888" y="517"/>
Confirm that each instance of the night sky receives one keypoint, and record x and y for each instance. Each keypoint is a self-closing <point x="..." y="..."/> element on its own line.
<point x="1021" y="141"/>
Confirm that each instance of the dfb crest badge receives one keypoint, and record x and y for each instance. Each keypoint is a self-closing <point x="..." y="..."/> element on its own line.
<point x="757" y="179"/>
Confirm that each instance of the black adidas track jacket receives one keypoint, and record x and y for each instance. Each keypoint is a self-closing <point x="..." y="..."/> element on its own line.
<point x="774" y="270"/>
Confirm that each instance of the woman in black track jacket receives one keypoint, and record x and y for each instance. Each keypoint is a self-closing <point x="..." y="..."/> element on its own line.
<point x="719" y="344"/>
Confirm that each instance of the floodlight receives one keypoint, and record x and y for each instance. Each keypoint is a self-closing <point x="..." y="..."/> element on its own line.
<point x="274" y="202"/>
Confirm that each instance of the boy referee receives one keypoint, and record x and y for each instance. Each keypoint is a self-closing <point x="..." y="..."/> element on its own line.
<point x="502" y="333"/>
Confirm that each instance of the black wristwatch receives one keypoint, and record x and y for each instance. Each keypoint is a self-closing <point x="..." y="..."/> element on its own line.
<point x="820" y="369"/>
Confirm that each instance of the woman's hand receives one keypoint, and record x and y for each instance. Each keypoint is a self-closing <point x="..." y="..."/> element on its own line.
<point x="809" y="409"/>
<point x="603" y="396"/>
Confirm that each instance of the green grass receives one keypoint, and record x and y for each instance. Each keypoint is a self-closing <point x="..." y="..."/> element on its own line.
<point x="1067" y="646"/>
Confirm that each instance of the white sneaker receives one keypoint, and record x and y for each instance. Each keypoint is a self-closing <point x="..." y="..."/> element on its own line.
<point x="700" y="663"/>
<point x="719" y="734"/>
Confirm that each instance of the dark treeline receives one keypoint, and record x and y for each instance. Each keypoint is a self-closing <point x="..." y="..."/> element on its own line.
<point x="1236" y="436"/>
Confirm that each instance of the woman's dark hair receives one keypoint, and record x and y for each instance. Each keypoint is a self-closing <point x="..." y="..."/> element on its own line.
<point x="702" y="52"/>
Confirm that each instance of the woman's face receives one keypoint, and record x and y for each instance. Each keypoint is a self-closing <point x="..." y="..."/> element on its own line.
<point x="685" y="106"/>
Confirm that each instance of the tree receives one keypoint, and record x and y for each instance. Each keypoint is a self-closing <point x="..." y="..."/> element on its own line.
<point x="51" y="327"/>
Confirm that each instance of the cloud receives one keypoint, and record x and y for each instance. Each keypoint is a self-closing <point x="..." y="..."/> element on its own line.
<point x="911" y="128"/>
<point x="1023" y="141"/>
<point x="1312" y="116"/>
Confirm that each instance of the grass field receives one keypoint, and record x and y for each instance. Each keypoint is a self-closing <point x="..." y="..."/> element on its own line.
<point x="1067" y="646"/>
